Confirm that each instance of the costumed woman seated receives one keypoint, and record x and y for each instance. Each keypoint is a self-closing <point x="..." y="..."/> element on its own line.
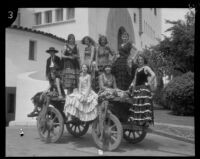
<point x="55" y="90"/>
<point x="107" y="84"/>
<point x="142" y="108"/>
<point x="82" y="103"/>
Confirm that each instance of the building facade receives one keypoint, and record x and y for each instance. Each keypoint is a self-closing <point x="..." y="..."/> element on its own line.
<point x="25" y="52"/>
<point x="142" y="24"/>
<point x="39" y="28"/>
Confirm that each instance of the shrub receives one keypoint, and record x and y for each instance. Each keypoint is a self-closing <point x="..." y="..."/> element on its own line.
<point x="179" y="94"/>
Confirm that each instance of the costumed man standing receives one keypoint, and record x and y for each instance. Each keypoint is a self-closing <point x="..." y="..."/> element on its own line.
<point x="53" y="67"/>
<point x="53" y="62"/>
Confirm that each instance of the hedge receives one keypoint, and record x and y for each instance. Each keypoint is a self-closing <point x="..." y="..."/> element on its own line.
<point x="178" y="95"/>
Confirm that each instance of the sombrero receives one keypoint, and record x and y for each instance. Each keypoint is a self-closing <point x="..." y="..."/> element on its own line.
<point x="52" y="49"/>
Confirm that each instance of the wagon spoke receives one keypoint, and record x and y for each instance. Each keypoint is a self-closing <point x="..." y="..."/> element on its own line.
<point x="79" y="128"/>
<point x="115" y="139"/>
<point x="75" y="128"/>
<point x="52" y="131"/>
<point x="43" y="129"/>
<point x="113" y="132"/>
<point x="133" y="135"/>
<point x="55" y="124"/>
<point x="129" y="132"/>
<point x="109" y="144"/>
<point x="112" y="126"/>
<point x="71" y="126"/>
<point x="53" y="115"/>
<point x="48" y="134"/>
<point x="137" y="132"/>
<point x="54" y="118"/>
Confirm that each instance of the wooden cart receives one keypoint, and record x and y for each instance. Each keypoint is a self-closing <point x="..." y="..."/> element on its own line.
<point x="108" y="128"/>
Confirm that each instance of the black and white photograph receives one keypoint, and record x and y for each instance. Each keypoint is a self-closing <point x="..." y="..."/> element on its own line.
<point x="88" y="81"/>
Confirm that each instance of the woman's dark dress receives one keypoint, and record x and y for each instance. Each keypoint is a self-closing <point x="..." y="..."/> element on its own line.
<point x="71" y="68"/>
<point x="142" y="108"/>
<point x="120" y="68"/>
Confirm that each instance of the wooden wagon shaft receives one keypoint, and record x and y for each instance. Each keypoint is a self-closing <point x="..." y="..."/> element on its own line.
<point x="42" y="115"/>
<point x="102" y="116"/>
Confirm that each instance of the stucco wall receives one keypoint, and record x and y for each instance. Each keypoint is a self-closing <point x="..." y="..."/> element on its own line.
<point x="98" y="24"/>
<point x="26" y="88"/>
<point x="78" y="26"/>
<point x="154" y="22"/>
<point x="17" y="52"/>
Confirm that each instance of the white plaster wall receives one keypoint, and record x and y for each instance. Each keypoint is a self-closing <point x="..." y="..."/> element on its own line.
<point x="78" y="26"/>
<point x="26" y="88"/>
<point x="154" y="22"/>
<point x="17" y="52"/>
<point x="97" y="22"/>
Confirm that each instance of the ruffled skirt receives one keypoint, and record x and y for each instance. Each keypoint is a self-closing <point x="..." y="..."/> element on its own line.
<point x="142" y="107"/>
<point x="85" y="110"/>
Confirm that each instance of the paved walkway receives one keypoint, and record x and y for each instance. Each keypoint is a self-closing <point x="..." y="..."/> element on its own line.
<point x="30" y="145"/>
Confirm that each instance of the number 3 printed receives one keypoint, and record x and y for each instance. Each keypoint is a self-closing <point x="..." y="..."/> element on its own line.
<point x="10" y="14"/>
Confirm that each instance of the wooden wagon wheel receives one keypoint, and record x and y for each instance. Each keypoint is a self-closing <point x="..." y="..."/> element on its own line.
<point x="134" y="136"/>
<point x="50" y="127"/>
<point x="112" y="134"/>
<point x="77" y="128"/>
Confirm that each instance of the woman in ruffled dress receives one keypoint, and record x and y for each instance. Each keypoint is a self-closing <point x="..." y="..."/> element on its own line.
<point x="83" y="103"/>
<point x="70" y="64"/>
<point x="121" y="68"/>
<point x="142" y="108"/>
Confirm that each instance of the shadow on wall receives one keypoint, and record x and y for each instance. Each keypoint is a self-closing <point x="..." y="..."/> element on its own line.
<point x="40" y="75"/>
<point x="28" y="84"/>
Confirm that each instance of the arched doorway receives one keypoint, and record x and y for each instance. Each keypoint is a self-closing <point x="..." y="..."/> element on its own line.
<point x="120" y="32"/>
<point x="119" y="20"/>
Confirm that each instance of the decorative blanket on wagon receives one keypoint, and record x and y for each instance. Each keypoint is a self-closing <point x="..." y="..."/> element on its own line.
<point x="119" y="102"/>
<point x="113" y="95"/>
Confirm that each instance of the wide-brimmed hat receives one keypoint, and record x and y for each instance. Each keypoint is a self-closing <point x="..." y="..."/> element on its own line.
<point x="109" y="64"/>
<point x="52" y="49"/>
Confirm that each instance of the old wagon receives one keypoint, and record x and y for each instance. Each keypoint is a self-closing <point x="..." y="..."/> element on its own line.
<point x="108" y="128"/>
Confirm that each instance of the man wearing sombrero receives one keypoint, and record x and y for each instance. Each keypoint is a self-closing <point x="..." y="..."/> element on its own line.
<point x="53" y="62"/>
<point x="53" y="66"/>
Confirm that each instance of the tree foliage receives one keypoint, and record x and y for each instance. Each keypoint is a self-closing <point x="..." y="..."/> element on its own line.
<point x="176" y="51"/>
<point x="179" y="47"/>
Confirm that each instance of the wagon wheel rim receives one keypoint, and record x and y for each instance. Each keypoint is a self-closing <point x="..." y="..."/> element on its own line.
<point x="134" y="136"/>
<point x="112" y="136"/>
<point x="77" y="129"/>
<point x="53" y="128"/>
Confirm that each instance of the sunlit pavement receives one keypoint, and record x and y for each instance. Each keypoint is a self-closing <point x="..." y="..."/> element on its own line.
<point x="31" y="145"/>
